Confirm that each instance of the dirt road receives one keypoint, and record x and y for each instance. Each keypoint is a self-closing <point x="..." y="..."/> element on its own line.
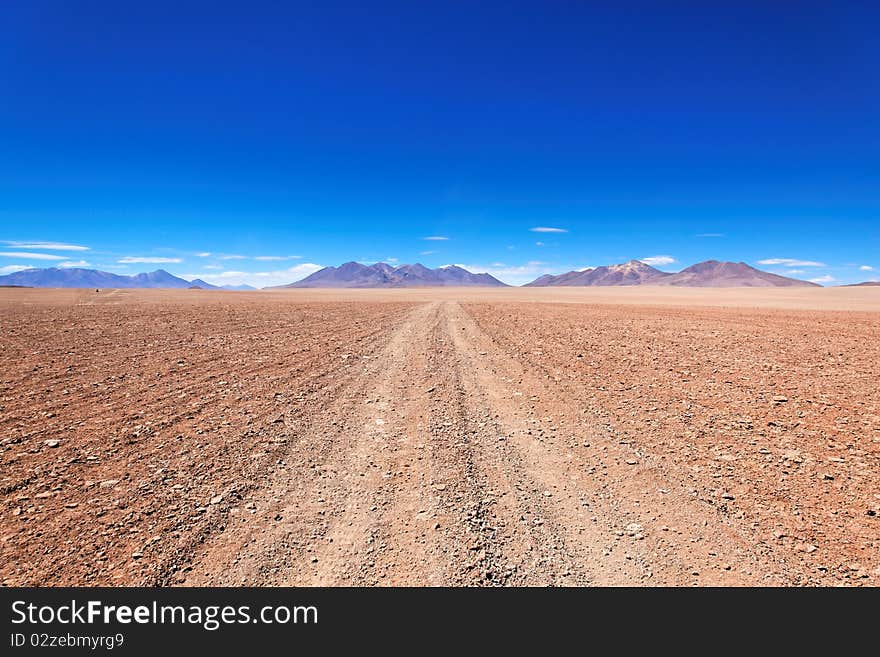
<point x="429" y="443"/>
<point x="426" y="475"/>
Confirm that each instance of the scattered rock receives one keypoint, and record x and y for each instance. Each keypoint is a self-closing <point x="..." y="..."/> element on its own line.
<point x="52" y="443"/>
<point x="633" y="529"/>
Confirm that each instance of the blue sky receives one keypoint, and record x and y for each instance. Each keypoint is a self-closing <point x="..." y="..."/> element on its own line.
<point x="316" y="133"/>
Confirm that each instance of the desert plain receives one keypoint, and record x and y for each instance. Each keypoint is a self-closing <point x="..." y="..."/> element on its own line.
<point x="565" y="436"/>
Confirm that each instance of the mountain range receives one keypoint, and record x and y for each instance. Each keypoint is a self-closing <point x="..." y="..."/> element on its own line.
<point x="354" y="274"/>
<point x="710" y="273"/>
<point x="633" y="272"/>
<point x="76" y="277"/>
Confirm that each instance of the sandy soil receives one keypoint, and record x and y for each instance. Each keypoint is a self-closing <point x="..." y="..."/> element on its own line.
<point x="440" y="437"/>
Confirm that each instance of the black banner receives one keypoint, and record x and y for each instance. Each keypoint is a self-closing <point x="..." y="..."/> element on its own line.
<point x="147" y="620"/>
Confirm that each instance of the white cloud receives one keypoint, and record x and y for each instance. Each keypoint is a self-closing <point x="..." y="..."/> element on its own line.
<point x="74" y="263"/>
<point x="511" y="274"/>
<point x="30" y="256"/>
<point x="427" y="252"/>
<point x="547" y="229"/>
<point x="793" y="272"/>
<point x="392" y="260"/>
<point x="259" y="278"/>
<point x="539" y="243"/>
<point x="436" y="238"/>
<point x="233" y="257"/>
<point x="11" y="269"/>
<point x="711" y="235"/>
<point x="823" y="279"/>
<point x="130" y="260"/>
<point x="659" y="260"/>
<point x="866" y="268"/>
<point x="46" y="246"/>
<point x="791" y="262"/>
<point x="203" y="254"/>
<point x="213" y="267"/>
<point x="268" y="258"/>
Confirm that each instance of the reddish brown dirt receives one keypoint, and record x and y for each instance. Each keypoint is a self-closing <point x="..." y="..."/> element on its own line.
<point x="746" y="443"/>
<point x="212" y="438"/>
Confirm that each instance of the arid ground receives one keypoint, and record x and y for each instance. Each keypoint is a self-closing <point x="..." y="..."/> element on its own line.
<point x="440" y="437"/>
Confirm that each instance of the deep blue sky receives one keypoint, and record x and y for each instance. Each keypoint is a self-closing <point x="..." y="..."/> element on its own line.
<point x="339" y="132"/>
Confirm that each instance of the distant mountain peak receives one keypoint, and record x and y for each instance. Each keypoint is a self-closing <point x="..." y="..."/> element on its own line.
<point x="75" y="277"/>
<point x="383" y="275"/>
<point x="710" y="273"/>
<point x="633" y="272"/>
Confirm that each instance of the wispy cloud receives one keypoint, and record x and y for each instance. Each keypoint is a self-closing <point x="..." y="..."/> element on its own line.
<point x="46" y="246"/>
<point x="11" y="269"/>
<point x="258" y="278"/>
<point x="233" y="257"/>
<point x="659" y="260"/>
<point x="203" y="254"/>
<point x="795" y="272"/>
<point x="866" y="268"/>
<point x="30" y="256"/>
<point x="548" y="229"/>
<point x="436" y="238"/>
<point x="791" y="262"/>
<point x="73" y="263"/>
<point x="391" y="260"/>
<point x="213" y="267"/>
<point x="131" y="260"/>
<point x="711" y="235"/>
<point x="270" y="257"/>
<point x="539" y="243"/>
<point x="427" y="252"/>
<point x="823" y="279"/>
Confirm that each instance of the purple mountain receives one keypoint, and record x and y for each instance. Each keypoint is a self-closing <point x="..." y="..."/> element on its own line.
<point x="354" y="274"/>
<point x="711" y="273"/>
<point x="75" y="277"/>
